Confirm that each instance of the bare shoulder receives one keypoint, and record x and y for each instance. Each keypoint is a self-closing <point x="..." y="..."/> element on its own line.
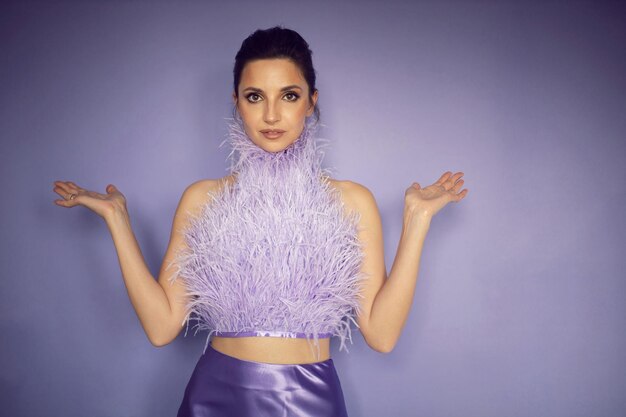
<point x="197" y="194"/>
<point x="355" y="196"/>
<point x="204" y="185"/>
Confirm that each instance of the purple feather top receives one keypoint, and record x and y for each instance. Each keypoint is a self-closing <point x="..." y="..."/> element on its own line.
<point x="274" y="253"/>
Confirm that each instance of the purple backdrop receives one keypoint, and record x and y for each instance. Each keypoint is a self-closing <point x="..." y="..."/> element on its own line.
<point x="519" y="307"/>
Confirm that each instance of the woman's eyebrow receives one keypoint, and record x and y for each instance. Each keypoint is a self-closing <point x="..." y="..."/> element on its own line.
<point x="289" y="87"/>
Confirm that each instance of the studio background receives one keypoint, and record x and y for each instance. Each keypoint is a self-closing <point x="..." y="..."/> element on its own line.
<point x="519" y="306"/>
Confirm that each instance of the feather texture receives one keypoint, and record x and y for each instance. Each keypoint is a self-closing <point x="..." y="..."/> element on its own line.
<point x="274" y="253"/>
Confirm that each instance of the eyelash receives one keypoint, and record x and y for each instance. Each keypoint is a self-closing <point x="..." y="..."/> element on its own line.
<point x="288" y="93"/>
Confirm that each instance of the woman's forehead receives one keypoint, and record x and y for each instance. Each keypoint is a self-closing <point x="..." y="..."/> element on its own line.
<point x="271" y="74"/>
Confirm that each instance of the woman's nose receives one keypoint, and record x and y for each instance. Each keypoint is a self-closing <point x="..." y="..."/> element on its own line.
<point x="272" y="113"/>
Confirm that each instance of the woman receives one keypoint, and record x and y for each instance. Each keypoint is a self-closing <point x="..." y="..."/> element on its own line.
<point x="274" y="254"/>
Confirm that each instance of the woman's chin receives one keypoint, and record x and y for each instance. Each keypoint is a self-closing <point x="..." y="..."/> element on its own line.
<point x="273" y="145"/>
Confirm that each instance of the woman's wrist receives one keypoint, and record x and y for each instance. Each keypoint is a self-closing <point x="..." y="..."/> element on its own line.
<point x="415" y="217"/>
<point x="117" y="215"/>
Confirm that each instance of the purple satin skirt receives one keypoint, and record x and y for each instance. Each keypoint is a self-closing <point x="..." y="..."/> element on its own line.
<point x="224" y="386"/>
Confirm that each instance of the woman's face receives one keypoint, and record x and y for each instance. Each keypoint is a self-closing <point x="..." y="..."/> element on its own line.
<point x="273" y="95"/>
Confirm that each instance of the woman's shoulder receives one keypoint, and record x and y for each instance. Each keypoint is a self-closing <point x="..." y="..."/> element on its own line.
<point x="199" y="192"/>
<point x="211" y="184"/>
<point x="347" y="185"/>
<point x="204" y="185"/>
<point x="353" y="194"/>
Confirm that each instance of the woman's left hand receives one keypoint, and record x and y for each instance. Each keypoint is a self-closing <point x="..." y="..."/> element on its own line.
<point x="429" y="200"/>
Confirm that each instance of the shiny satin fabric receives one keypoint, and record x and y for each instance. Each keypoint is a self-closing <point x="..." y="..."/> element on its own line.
<point x="224" y="386"/>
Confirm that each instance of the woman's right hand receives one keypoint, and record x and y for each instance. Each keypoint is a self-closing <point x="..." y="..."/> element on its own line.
<point x="104" y="205"/>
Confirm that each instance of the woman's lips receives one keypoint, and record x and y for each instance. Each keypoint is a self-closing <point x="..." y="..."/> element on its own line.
<point x="272" y="135"/>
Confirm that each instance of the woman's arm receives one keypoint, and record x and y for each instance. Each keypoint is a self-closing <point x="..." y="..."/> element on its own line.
<point x="387" y="300"/>
<point x="393" y="301"/>
<point x="159" y="305"/>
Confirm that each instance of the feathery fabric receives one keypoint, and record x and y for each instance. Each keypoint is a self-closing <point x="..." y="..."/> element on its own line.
<point x="274" y="253"/>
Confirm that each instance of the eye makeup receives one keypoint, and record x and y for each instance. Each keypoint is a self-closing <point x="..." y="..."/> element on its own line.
<point x="293" y="93"/>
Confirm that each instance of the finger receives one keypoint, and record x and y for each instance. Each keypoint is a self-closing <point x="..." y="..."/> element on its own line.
<point x="66" y="192"/>
<point x="62" y="184"/>
<point x="458" y="176"/>
<point x="76" y="187"/>
<point x="449" y="184"/>
<point x="64" y="203"/>
<point x="60" y="191"/>
<point x="443" y="178"/>
<point x="67" y="187"/>
<point x="460" y="196"/>
<point x="457" y="186"/>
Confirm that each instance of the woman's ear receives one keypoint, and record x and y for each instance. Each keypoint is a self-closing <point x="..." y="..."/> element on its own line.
<point x="312" y="106"/>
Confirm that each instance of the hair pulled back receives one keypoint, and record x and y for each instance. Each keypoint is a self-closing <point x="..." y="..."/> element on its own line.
<point x="277" y="42"/>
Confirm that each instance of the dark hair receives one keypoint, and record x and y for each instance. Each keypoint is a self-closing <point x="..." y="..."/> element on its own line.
<point x="277" y="42"/>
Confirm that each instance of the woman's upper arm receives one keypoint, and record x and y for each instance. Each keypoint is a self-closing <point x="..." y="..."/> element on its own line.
<point x="192" y="200"/>
<point x="361" y="199"/>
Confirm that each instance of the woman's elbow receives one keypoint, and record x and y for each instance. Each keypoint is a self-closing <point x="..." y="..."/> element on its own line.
<point x="163" y="339"/>
<point x="159" y="342"/>
<point x="380" y="346"/>
<point x="386" y="348"/>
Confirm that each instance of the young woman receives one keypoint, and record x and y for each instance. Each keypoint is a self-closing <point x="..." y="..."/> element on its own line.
<point x="274" y="255"/>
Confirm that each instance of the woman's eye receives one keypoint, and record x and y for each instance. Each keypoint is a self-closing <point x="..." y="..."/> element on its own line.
<point x="294" y="97"/>
<point x="250" y="95"/>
